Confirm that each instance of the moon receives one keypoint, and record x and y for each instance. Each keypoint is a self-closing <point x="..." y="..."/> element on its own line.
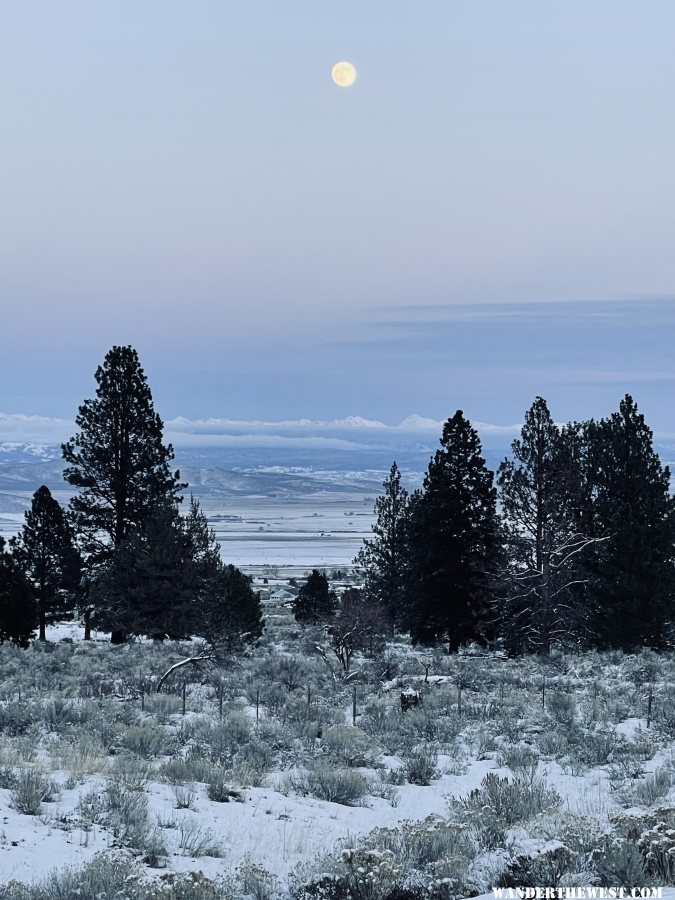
<point x="343" y="74"/>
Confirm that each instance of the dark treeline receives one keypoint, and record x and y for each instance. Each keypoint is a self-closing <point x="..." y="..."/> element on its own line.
<point x="569" y="544"/>
<point x="122" y="555"/>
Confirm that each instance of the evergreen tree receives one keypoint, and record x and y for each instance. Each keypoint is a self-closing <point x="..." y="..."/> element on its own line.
<point x="152" y="583"/>
<point x="315" y="602"/>
<point x="18" y="612"/>
<point x="454" y="540"/>
<point x="632" y="571"/>
<point x="228" y="613"/>
<point x="231" y="615"/>
<point x="540" y="490"/>
<point x="118" y="462"/>
<point x="46" y="553"/>
<point x="384" y="558"/>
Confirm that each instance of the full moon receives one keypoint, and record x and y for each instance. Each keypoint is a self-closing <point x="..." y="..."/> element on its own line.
<point x="344" y="74"/>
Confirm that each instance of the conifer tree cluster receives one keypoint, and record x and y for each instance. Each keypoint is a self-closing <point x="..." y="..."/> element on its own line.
<point x="122" y="554"/>
<point x="570" y="544"/>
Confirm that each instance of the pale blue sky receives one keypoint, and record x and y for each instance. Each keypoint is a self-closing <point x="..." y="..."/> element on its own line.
<point x="488" y="214"/>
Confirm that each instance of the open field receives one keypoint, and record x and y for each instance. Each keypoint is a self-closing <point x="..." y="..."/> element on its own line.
<point x="556" y="770"/>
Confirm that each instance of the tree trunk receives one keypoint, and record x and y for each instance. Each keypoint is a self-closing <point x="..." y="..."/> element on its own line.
<point x="87" y="624"/>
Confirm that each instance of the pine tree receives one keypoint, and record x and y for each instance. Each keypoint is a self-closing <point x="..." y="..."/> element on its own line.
<point x="46" y="553"/>
<point x="228" y="613"/>
<point x="315" y="602"/>
<point x="18" y="612"/>
<point x="454" y="540"/>
<point x="117" y="461"/>
<point x="632" y="572"/>
<point x="384" y="558"/>
<point x="152" y="583"/>
<point x="540" y="491"/>
<point x="231" y="615"/>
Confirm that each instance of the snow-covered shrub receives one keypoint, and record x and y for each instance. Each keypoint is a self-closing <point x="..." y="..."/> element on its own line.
<point x="289" y="671"/>
<point x="348" y="745"/>
<point x="523" y="761"/>
<point x="107" y="875"/>
<point x="218" y="787"/>
<point x="185" y="796"/>
<point x="31" y="790"/>
<point x="617" y="861"/>
<point x="147" y="740"/>
<point x="500" y="803"/>
<point x="131" y="772"/>
<point x="546" y="862"/>
<point x="252" y="762"/>
<point x="82" y="755"/>
<point x="332" y="783"/>
<point x="658" y="850"/>
<point x="421" y="766"/>
<point x="196" y="840"/>
<point x="355" y="874"/>
<point x="192" y="768"/>
<point x="16" y="718"/>
<point x="595" y="748"/>
<point x="254" y="881"/>
<point x="221" y="740"/>
<point x="384" y="790"/>
<point x="561" y="707"/>
<point x="648" y="791"/>
<point x="162" y="706"/>
<point x="127" y="815"/>
<point x="8" y="777"/>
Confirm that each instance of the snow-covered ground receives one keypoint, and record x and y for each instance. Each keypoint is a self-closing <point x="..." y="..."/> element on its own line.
<point x="83" y="722"/>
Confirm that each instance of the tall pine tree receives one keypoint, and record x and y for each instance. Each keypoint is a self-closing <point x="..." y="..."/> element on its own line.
<point x="45" y="551"/>
<point x="632" y="572"/>
<point x="454" y="540"/>
<point x="384" y="558"/>
<point x="540" y="491"/>
<point x="117" y="461"/>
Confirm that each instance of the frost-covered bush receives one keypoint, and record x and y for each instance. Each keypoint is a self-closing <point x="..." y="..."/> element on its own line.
<point x="8" y="777"/>
<point x="222" y="740"/>
<point x="331" y="783"/>
<point x="658" y="850"/>
<point x="348" y="745"/>
<point x="523" y="761"/>
<point x="421" y="766"/>
<point x="648" y="791"/>
<point x="561" y="707"/>
<point x="16" y="718"/>
<point x="252" y="762"/>
<point x="595" y="748"/>
<point x="196" y="840"/>
<point x="618" y="861"/>
<point x="147" y="740"/>
<point x="162" y="706"/>
<point x="31" y="790"/>
<point x="546" y="862"/>
<point x="218" y="787"/>
<point x="192" y="768"/>
<point x="500" y="803"/>
<point x="127" y="818"/>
